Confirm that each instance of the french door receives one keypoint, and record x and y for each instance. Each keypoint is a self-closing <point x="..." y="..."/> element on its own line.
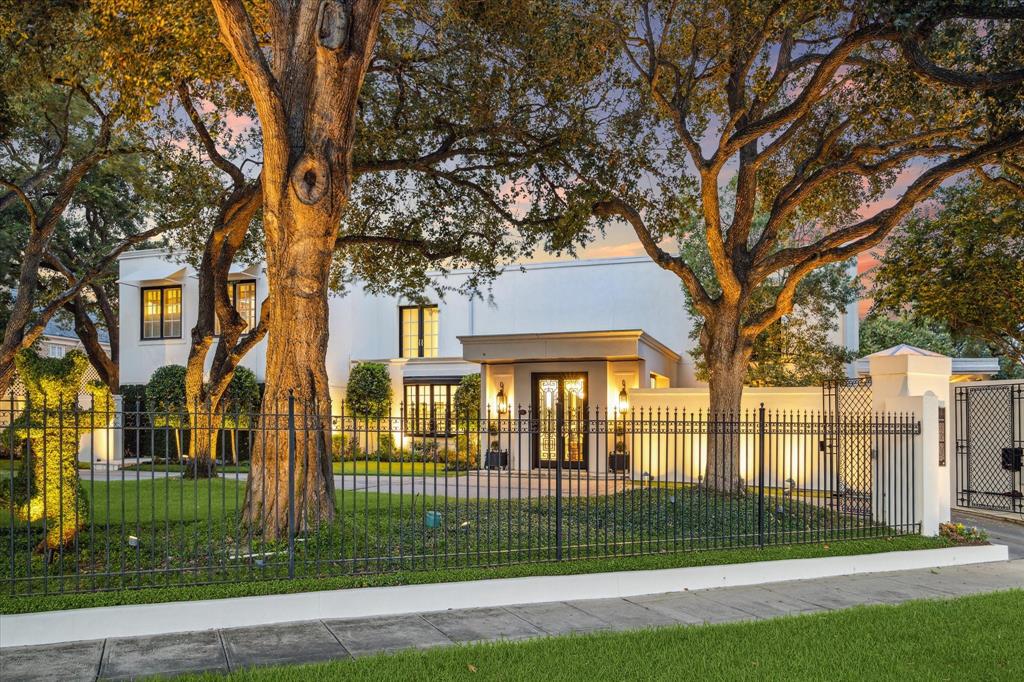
<point x="560" y="409"/>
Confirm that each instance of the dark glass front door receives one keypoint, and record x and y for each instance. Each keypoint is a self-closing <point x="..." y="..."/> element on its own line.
<point x="560" y="402"/>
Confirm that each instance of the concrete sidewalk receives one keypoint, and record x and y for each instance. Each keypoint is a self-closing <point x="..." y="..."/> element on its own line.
<point x="312" y="641"/>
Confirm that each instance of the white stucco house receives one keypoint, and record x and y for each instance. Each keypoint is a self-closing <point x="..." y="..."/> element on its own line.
<point x="582" y="329"/>
<point x="608" y="320"/>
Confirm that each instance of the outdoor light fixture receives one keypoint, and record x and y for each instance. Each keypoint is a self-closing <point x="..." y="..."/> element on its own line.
<point x="623" y="399"/>
<point x="502" y="399"/>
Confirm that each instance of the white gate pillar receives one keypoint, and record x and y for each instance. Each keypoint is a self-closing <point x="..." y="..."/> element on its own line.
<point x="919" y="383"/>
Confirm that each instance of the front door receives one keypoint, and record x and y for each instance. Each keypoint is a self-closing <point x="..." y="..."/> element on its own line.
<point x="561" y="415"/>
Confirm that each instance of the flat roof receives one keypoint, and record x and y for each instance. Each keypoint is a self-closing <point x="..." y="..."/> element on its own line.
<point x="603" y="344"/>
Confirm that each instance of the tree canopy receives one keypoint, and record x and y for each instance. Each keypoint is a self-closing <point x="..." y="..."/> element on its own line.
<point x="962" y="266"/>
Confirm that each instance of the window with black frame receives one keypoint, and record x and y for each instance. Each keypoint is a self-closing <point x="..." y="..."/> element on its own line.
<point x="161" y="312"/>
<point x="242" y="294"/>
<point x="418" y="331"/>
<point x="428" y="409"/>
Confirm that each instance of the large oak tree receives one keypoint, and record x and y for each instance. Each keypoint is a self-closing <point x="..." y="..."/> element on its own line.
<point x="802" y="113"/>
<point x="400" y="137"/>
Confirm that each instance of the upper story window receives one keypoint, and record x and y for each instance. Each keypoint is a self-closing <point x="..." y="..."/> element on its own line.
<point x="161" y="312"/>
<point x="242" y="294"/>
<point x="418" y="331"/>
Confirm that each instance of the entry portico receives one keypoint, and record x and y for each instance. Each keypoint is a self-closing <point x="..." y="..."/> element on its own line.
<point x="559" y="379"/>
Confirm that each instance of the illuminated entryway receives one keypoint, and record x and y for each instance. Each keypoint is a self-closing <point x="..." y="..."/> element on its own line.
<point x="561" y="409"/>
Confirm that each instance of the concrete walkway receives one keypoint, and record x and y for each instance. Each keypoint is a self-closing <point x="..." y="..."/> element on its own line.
<point x="312" y="641"/>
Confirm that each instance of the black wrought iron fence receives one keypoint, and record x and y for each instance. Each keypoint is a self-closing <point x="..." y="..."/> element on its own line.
<point x="83" y="510"/>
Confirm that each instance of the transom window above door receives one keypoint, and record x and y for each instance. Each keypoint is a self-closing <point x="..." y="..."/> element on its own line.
<point x="417" y="331"/>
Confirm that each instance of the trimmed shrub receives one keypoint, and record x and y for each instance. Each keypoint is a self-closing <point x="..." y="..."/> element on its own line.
<point x="165" y="401"/>
<point x="344" y="447"/>
<point x="241" y="403"/>
<point x="49" y="477"/>
<point x="368" y="394"/>
<point x="467" y="397"/>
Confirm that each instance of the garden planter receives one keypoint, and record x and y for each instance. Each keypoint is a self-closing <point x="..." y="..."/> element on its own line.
<point x="496" y="459"/>
<point x="618" y="461"/>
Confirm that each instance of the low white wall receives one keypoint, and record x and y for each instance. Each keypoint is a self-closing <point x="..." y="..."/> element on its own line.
<point x="661" y="452"/>
<point x="802" y="398"/>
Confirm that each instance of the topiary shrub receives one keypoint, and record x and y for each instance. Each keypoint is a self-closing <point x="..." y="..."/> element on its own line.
<point x="165" y="401"/>
<point x="467" y="397"/>
<point x="241" y="404"/>
<point x="368" y="394"/>
<point x="50" y="424"/>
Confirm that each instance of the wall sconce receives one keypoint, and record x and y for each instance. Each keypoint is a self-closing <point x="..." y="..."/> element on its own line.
<point x="623" y="399"/>
<point x="502" y="399"/>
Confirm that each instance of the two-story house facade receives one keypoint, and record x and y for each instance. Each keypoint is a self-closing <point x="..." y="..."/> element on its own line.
<point x="581" y="329"/>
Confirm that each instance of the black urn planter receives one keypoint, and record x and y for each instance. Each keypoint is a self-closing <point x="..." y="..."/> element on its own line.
<point x="618" y="461"/>
<point x="496" y="459"/>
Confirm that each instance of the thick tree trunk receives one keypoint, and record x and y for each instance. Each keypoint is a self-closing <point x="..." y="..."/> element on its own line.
<point x="306" y="97"/>
<point x="204" y="425"/>
<point x="296" y="367"/>
<point x="727" y="355"/>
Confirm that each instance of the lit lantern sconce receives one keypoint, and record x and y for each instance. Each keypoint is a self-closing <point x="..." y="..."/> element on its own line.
<point x="623" y="400"/>
<point x="502" y="399"/>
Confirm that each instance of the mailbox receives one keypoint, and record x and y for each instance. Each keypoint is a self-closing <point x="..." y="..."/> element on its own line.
<point x="1012" y="458"/>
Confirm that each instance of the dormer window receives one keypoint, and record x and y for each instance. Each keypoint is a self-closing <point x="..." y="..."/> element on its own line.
<point x="161" y="312"/>
<point x="417" y="331"/>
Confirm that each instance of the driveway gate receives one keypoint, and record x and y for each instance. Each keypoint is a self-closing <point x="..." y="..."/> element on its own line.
<point x="989" y="437"/>
<point x="847" y="447"/>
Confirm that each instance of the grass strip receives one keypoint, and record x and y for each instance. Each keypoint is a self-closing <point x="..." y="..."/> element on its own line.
<point x="970" y="638"/>
<point x="33" y="604"/>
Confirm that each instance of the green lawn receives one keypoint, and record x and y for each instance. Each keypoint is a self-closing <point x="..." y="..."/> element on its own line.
<point x="369" y="468"/>
<point x="392" y="468"/>
<point x="971" y="638"/>
<point x="159" y="532"/>
<point x="178" y="468"/>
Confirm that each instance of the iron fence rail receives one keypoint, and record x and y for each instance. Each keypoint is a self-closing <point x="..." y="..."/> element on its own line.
<point x="492" y="490"/>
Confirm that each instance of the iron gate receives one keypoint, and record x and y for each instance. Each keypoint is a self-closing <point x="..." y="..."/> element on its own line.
<point x="989" y="425"/>
<point x="848" y="450"/>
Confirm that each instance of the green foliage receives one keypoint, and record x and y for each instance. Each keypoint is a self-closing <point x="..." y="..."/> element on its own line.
<point x="467" y="397"/>
<point x="165" y="391"/>
<point x="48" y="484"/>
<point x="52" y="382"/>
<point x="344" y="447"/>
<point x="879" y="331"/>
<point x="962" y="268"/>
<point x="133" y="396"/>
<point x="368" y="394"/>
<point x="165" y="401"/>
<point x="241" y="400"/>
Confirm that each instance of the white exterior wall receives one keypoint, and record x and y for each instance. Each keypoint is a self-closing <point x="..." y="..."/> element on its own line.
<point x="565" y="296"/>
<point x="626" y="293"/>
<point x="139" y="358"/>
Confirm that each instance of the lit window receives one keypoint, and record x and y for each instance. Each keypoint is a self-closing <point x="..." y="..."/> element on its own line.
<point x="161" y="312"/>
<point x="242" y="295"/>
<point x="428" y="409"/>
<point x="418" y="331"/>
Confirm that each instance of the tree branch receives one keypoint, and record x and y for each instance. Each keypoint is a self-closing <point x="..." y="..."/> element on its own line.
<point x="617" y="207"/>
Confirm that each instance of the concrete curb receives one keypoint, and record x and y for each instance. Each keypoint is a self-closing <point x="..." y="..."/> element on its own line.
<point x="51" y="627"/>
